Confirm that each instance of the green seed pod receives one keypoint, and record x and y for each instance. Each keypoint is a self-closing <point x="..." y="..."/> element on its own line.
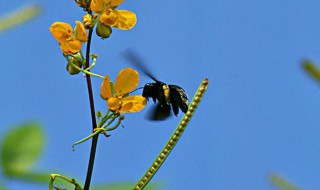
<point x="104" y="31"/>
<point x="71" y="69"/>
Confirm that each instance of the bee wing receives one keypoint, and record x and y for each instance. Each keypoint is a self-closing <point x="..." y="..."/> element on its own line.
<point x="135" y="60"/>
<point x="178" y="97"/>
<point x="159" y="113"/>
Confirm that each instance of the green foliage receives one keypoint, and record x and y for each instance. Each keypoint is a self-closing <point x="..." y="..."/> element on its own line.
<point x="20" y="148"/>
<point x="32" y="176"/>
<point x="2" y="187"/>
<point x="18" y="17"/>
<point x="311" y="69"/>
<point x="281" y="183"/>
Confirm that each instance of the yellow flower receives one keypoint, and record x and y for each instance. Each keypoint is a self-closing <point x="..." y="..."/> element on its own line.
<point x="118" y="99"/>
<point x="121" y="19"/>
<point x="70" y="41"/>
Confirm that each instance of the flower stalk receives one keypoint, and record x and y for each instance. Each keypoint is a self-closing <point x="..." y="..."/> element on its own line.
<point x="102" y="126"/>
<point x="86" y="71"/>
<point x="94" y="141"/>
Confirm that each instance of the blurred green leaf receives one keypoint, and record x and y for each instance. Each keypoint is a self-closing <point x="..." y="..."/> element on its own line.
<point x="32" y="176"/>
<point x="20" y="148"/>
<point x="311" y="69"/>
<point x="2" y="187"/>
<point x="281" y="183"/>
<point x="18" y="17"/>
<point x="125" y="186"/>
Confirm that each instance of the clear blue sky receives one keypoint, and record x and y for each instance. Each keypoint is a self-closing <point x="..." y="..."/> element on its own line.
<point x="260" y="114"/>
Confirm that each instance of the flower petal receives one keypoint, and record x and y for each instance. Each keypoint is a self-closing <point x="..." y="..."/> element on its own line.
<point x="138" y="103"/>
<point x="109" y="17"/>
<point x="71" y="46"/>
<point x="80" y="32"/>
<point x="106" y="91"/>
<point x="125" y="107"/>
<point x="61" y="31"/>
<point x="97" y="5"/>
<point x="127" y="80"/>
<point x="126" y="19"/>
<point x="113" y="3"/>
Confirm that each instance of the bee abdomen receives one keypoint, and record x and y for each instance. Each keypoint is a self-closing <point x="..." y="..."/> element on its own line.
<point x="166" y="93"/>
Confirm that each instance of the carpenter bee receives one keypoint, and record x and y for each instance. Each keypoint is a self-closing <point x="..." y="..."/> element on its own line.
<point x="167" y="95"/>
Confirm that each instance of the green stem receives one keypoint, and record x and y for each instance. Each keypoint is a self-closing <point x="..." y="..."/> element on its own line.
<point x="174" y="137"/>
<point x="116" y="125"/>
<point x="113" y="117"/>
<point x="105" y="118"/>
<point x="81" y="54"/>
<point x="94" y="59"/>
<point x="100" y="129"/>
<point x="72" y="181"/>
<point x="97" y="131"/>
<point x="86" y="71"/>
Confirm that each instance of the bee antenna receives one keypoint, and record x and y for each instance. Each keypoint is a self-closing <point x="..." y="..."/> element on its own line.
<point x="136" y="89"/>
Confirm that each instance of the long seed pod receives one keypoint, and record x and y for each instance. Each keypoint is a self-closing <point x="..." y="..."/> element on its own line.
<point x="174" y="137"/>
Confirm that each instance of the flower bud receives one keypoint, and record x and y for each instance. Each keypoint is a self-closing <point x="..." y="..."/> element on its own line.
<point x="87" y="21"/>
<point x="71" y="69"/>
<point x="113" y="103"/>
<point x="104" y="31"/>
<point x="81" y="3"/>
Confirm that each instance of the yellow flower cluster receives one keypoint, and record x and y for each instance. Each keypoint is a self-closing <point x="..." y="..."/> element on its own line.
<point x="70" y="41"/>
<point x="121" y="19"/>
<point x="117" y="98"/>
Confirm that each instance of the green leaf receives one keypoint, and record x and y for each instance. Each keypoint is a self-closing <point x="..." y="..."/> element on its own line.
<point x="281" y="183"/>
<point x="2" y="187"/>
<point x="32" y="176"/>
<point x="125" y="186"/>
<point x="18" y="17"/>
<point x="311" y="69"/>
<point x="21" y="147"/>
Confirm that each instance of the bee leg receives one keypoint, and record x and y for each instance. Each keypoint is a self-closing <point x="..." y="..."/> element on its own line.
<point x="183" y="106"/>
<point x="175" y="108"/>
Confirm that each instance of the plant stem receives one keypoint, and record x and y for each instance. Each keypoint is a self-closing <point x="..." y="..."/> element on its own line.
<point x="86" y="71"/>
<point x="73" y="181"/>
<point x="96" y="132"/>
<point x="93" y="117"/>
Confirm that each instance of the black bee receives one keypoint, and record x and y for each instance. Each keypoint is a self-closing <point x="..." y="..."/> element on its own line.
<point x="167" y="95"/>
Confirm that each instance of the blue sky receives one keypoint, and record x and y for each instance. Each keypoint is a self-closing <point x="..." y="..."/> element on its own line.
<point x="260" y="113"/>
